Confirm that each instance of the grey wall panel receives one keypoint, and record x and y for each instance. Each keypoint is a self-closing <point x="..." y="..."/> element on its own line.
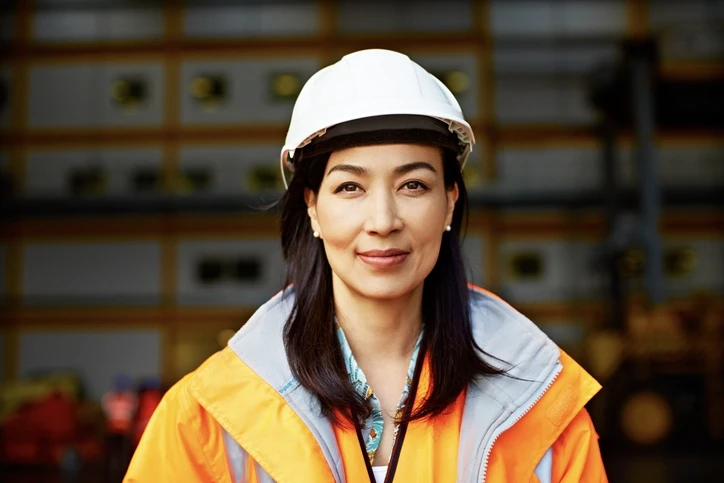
<point x="692" y="167"/>
<point x="85" y="24"/>
<point x="665" y="13"/>
<point x="473" y="251"/>
<point x="62" y="96"/>
<point x="47" y="172"/>
<point x="545" y="59"/>
<point x="680" y="167"/>
<point x="80" y="95"/>
<point x="692" y="42"/>
<point x="708" y="273"/>
<point x="250" y="98"/>
<point x="228" y="291"/>
<point x="548" y="170"/>
<point x="463" y="62"/>
<point x="397" y="16"/>
<point x="96" y="356"/>
<point x="115" y="273"/>
<point x="551" y="18"/>
<point x="6" y="103"/>
<point x="254" y="20"/>
<point x="567" y="271"/>
<point x="231" y="167"/>
<point x="521" y="100"/>
<point x="688" y="30"/>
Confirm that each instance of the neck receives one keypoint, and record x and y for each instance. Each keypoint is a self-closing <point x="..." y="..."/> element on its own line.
<point x="378" y="329"/>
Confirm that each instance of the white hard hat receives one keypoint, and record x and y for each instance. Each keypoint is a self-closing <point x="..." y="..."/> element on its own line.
<point x="367" y="84"/>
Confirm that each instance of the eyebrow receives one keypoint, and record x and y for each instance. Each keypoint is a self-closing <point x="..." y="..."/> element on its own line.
<point x="348" y="168"/>
<point x="406" y="168"/>
<point x="403" y="169"/>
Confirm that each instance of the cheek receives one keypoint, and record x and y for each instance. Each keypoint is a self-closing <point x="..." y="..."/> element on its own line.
<point x="338" y="222"/>
<point x="427" y="218"/>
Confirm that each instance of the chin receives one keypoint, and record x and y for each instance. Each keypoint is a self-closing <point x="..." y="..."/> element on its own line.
<point x="384" y="289"/>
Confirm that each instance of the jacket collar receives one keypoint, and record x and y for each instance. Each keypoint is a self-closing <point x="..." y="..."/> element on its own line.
<point x="255" y="363"/>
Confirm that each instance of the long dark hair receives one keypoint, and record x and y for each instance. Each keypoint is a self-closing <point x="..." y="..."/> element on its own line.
<point x="312" y="349"/>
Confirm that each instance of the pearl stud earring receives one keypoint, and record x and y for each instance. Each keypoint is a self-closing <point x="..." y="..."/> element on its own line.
<point x="448" y="228"/>
<point x="315" y="234"/>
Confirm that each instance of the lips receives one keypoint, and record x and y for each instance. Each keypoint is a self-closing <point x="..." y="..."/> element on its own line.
<point x="384" y="258"/>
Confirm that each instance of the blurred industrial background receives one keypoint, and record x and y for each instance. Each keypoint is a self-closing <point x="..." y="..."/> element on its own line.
<point x="138" y="140"/>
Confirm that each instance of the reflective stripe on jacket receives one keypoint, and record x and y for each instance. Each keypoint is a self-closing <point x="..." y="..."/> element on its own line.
<point x="242" y="417"/>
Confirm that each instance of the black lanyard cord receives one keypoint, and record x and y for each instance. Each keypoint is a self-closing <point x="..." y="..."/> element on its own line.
<point x="401" y="431"/>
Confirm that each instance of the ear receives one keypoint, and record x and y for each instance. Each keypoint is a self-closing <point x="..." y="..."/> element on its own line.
<point x="452" y="198"/>
<point x="311" y="199"/>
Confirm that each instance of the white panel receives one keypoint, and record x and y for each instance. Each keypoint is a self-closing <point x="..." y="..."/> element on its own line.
<point x="549" y="170"/>
<point x="115" y="273"/>
<point x="228" y="291"/>
<point x="397" y="16"/>
<point x="249" y="82"/>
<point x="554" y="18"/>
<point x="3" y="274"/>
<point x="473" y="249"/>
<point x="47" y="172"/>
<point x="708" y="275"/>
<point x="258" y="20"/>
<point x="520" y="100"/>
<point x="567" y="271"/>
<point x="5" y="109"/>
<point x="230" y="166"/>
<point x="463" y="62"/>
<point x="80" y="95"/>
<point x="96" y="356"/>
<point x="84" y="24"/>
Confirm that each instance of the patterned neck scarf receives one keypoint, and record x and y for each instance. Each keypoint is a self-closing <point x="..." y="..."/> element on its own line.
<point x="372" y="430"/>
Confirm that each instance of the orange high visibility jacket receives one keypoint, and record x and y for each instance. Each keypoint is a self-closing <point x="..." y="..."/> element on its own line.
<point x="242" y="417"/>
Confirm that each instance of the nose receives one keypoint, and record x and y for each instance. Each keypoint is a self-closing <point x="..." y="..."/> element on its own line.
<point x="383" y="216"/>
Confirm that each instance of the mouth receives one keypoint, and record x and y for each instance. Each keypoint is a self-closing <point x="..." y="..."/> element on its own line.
<point x="383" y="258"/>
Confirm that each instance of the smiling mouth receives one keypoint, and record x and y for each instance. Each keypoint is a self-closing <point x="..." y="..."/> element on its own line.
<point x="384" y="258"/>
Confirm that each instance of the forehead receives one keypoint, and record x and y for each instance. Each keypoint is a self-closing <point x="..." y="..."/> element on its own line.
<point x="385" y="156"/>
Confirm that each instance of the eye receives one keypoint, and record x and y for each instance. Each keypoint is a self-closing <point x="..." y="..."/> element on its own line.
<point x="347" y="188"/>
<point x="414" y="186"/>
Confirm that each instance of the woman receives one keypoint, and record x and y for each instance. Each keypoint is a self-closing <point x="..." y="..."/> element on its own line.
<point x="378" y="362"/>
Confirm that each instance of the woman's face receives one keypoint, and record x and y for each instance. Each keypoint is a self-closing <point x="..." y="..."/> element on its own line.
<point x="381" y="212"/>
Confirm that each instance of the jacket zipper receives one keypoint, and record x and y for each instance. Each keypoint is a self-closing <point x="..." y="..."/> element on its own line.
<point x="484" y="469"/>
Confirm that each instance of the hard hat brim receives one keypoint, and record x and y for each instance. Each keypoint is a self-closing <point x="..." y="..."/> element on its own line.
<point x="388" y="129"/>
